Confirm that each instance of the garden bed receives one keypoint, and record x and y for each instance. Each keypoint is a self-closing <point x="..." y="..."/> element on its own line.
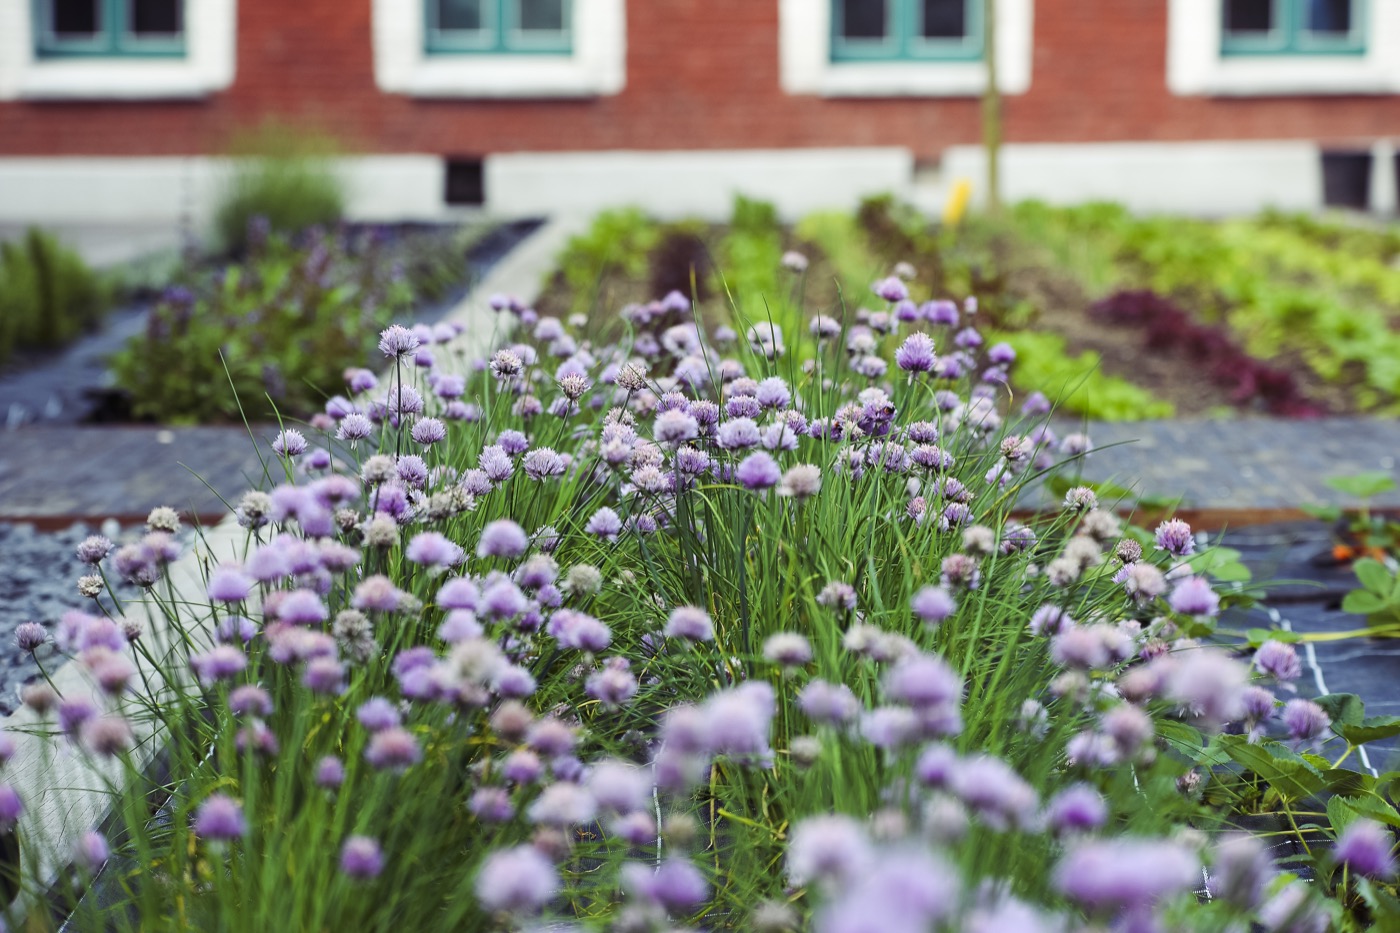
<point x="725" y="626"/>
<point x="1270" y="316"/>
<point x="429" y="268"/>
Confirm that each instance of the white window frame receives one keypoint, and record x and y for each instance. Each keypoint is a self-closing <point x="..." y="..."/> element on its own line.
<point x="1197" y="68"/>
<point x="596" y="66"/>
<point x="206" y="67"/>
<point x="805" y="65"/>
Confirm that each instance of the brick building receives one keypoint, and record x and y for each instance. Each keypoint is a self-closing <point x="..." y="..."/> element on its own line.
<point x="118" y="109"/>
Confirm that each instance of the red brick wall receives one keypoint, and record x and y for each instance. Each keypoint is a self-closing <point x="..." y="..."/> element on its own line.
<point x="700" y="74"/>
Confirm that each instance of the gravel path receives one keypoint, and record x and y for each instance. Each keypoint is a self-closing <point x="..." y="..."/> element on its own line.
<point x="39" y="584"/>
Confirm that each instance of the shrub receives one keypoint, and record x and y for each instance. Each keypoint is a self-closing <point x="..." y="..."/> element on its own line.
<point x="273" y="333"/>
<point x="48" y="295"/>
<point x="283" y="178"/>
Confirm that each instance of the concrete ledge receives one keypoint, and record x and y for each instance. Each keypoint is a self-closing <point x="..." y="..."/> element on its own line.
<point x="66" y="791"/>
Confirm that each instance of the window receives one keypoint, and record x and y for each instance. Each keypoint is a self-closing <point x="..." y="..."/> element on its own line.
<point x="483" y="49"/>
<point x="117" y="49"/>
<point x="1263" y="48"/>
<point x="497" y="26"/>
<point x="901" y="48"/>
<point x="894" y="30"/>
<point x="109" y="27"/>
<point x="1292" y="27"/>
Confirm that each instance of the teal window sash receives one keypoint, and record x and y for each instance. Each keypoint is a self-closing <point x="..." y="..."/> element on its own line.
<point x="500" y="32"/>
<point x="1290" y="36"/>
<point x="904" y="39"/>
<point x="113" y="38"/>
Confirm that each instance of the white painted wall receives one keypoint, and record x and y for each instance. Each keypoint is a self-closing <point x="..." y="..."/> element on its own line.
<point x="697" y="183"/>
<point x="1201" y="178"/>
<point x="106" y="190"/>
<point x="1212" y="178"/>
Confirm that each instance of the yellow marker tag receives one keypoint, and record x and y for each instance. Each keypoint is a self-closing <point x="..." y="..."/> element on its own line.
<point x="956" y="207"/>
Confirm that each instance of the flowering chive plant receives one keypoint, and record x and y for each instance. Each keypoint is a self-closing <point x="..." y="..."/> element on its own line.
<point x="681" y="630"/>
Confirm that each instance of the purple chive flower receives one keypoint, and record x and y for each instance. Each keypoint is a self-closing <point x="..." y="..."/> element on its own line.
<point x="675" y="884"/>
<point x="459" y="593"/>
<point x="933" y="604"/>
<point x="543" y="463"/>
<point x="503" y="600"/>
<point x="90" y="851"/>
<point x="906" y="889"/>
<point x="302" y="607"/>
<point x="739" y="434"/>
<point x="891" y="289"/>
<point x="1142" y="581"/>
<point x="460" y="625"/>
<point x="513" y="442"/>
<point x="396" y="341"/>
<point x="758" y="471"/>
<point x="522" y="766"/>
<point x="517" y="881"/>
<point x="829" y="848"/>
<point x="618" y="787"/>
<point x="491" y="805"/>
<point x="691" y="623"/>
<point x="1110" y="874"/>
<point x="614" y="686"/>
<point x="229" y="585"/>
<point x="1305" y="720"/>
<point x="250" y="700"/>
<point x="1194" y="597"/>
<point x="889" y="726"/>
<point x="989" y="787"/>
<point x="787" y="649"/>
<point x="94" y="549"/>
<point x="220" y="818"/>
<point x="434" y="549"/>
<point x="922" y="681"/>
<point x="330" y="772"/>
<point x="737" y="720"/>
<point x="563" y="804"/>
<point x="377" y="714"/>
<point x="1076" y="809"/>
<point x="1174" y="537"/>
<point x="289" y="443"/>
<point x="73" y="711"/>
<point x="579" y="630"/>
<point x="1278" y="660"/>
<point x="675" y="427"/>
<point x="828" y="703"/>
<point x="377" y="593"/>
<point x="1241" y="871"/>
<point x="429" y="431"/>
<point x="29" y="636"/>
<point x="773" y="392"/>
<point x="502" y="538"/>
<point x="10" y="806"/>
<point x="360" y="857"/>
<point x="1000" y="354"/>
<point x="393" y="749"/>
<point x="1366" y="847"/>
<point x="324" y="675"/>
<point x="916" y="354"/>
<point x="604" y="523"/>
<point x="221" y="662"/>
